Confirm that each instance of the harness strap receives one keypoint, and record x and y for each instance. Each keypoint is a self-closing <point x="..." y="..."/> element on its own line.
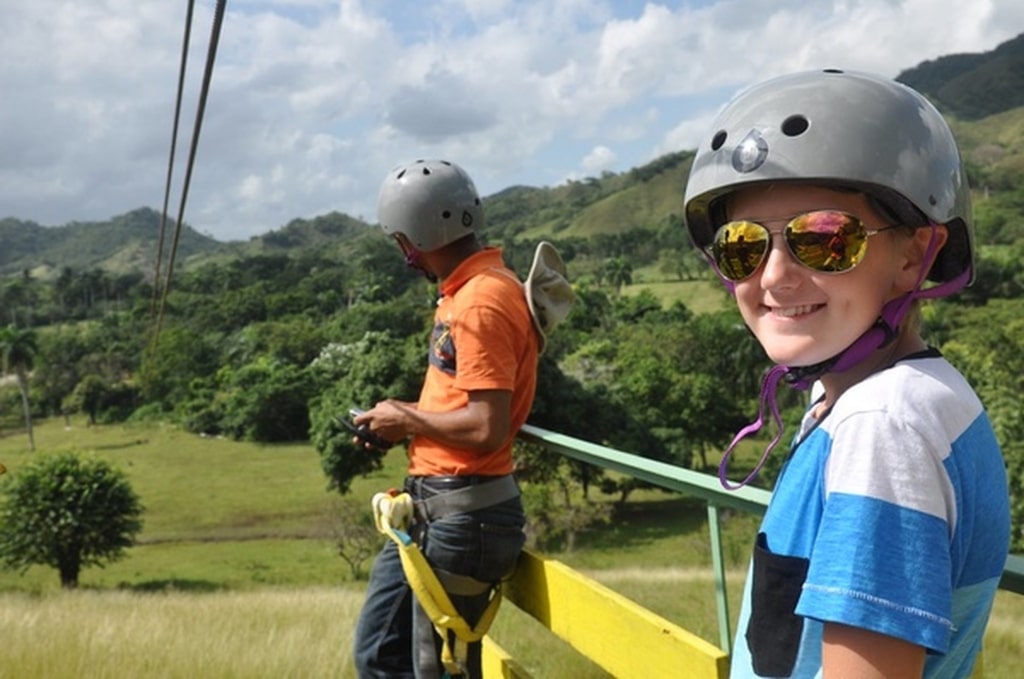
<point x="391" y="515"/>
<point x="468" y="498"/>
<point x="461" y="585"/>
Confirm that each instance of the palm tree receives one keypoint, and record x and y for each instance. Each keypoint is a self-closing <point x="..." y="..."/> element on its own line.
<point x="618" y="272"/>
<point x="18" y="348"/>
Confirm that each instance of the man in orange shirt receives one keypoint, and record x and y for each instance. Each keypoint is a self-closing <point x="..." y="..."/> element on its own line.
<point x="477" y="393"/>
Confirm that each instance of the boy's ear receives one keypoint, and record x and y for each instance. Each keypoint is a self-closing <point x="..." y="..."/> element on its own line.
<point x="916" y="250"/>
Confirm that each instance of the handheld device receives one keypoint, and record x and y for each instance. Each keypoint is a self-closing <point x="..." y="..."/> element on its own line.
<point x="362" y="431"/>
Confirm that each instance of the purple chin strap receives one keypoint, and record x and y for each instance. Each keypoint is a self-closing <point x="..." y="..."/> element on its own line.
<point x="880" y="334"/>
<point x="412" y="260"/>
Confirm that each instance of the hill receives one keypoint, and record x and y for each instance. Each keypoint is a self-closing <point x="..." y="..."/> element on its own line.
<point x="642" y="197"/>
<point x="328" y="234"/>
<point x="973" y="86"/>
<point x="124" y="243"/>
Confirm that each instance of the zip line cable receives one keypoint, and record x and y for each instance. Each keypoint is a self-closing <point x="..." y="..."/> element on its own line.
<point x="170" y="161"/>
<point x="211" y="55"/>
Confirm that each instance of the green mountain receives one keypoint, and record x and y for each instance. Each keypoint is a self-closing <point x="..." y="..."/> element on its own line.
<point x="127" y="242"/>
<point x="973" y="86"/>
<point x="981" y="94"/>
<point x="328" y="234"/>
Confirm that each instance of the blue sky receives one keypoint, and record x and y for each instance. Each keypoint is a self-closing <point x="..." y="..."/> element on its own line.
<point x="312" y="101"/>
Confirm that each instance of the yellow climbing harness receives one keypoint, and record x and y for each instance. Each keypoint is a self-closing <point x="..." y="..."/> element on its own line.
<point x="392" y="513"/>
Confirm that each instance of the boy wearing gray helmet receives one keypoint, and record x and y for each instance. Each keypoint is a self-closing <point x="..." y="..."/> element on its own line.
<point x="830" y="203"/>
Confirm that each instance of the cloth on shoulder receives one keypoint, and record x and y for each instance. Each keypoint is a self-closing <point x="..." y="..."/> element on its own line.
<point x="548" y="292"/>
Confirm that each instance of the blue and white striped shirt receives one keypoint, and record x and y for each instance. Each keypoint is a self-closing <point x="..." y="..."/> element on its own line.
<point x="892" y="514"/>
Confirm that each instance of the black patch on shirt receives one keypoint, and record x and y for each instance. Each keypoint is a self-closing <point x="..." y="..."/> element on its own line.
<point x="774" y="629"/>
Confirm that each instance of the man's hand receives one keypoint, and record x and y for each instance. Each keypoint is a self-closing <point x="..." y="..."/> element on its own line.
<point x="384" y="421"/>
<point x="482" y="425"/>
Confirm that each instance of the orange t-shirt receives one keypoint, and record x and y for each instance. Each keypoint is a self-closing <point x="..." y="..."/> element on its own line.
<point x="483" y="338"/>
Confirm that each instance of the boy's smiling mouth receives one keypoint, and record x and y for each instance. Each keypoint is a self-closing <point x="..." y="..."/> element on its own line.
<point x="794" y="311"/>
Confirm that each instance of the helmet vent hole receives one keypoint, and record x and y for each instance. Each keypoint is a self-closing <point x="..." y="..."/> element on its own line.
<point x="426" y="170"/>
<point x="933" y="201"/>
<point x="446" y="214"/>
<point x="794" y="126"/>
<point x="718" y="140"/>
<point x="401" y="174"/>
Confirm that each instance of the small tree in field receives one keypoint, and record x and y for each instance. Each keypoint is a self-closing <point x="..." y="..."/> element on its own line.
<point x="66" y="512"/>
<point x="356" y="538"/>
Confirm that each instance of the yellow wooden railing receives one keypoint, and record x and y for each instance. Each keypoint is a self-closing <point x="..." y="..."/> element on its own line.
<point x="624" y="638"/>
<point x="615" y="633"/>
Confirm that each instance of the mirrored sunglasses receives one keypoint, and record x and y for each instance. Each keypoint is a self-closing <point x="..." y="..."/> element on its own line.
<point x="827" y="241"/>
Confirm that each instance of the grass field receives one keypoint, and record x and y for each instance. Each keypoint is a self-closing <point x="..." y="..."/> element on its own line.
<point x="236" y="574"/>
<point x="699" y="296"/>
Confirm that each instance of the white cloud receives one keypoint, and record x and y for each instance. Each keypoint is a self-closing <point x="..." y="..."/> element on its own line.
<point x="312" y="101"/>
<point x="599" y="159"/>
<point x="687" y="134"/>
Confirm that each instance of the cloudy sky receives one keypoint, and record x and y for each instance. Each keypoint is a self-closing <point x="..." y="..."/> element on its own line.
<point x="313" y="101"/>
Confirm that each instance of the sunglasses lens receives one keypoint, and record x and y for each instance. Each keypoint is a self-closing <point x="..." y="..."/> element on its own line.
<point x="828" y="240"/>
<point x="739" y="248"/>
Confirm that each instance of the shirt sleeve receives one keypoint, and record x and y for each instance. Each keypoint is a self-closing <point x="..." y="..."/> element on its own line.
<point x="486" y="341"/>
<point x="882" y="557"/>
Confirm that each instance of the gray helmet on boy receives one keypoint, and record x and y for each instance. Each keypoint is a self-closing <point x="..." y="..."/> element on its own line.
<point x="430" y="202"/>
<point x="849" y="129"/>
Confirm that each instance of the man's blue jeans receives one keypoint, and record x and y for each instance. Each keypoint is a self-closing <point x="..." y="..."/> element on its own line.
<point x="483" y="545"/>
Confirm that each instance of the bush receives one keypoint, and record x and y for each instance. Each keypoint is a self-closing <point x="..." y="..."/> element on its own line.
<point x="67" y="512"/>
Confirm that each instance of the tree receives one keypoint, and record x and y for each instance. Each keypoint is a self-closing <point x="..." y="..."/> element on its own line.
<point x="87" y="397"/>
<point x="265" y="400"/>
<point x="19" y="299"/>
<point x="356" y="538"/>
<point x="19" y="347"/>
<point x="67" y="512"/>
<point x="358" y="374"/>
<point x="167" y="371"/>
<point x="986" y="344"/>
<point x="557" y="515"/>
<point x="618" y="272"/>
<point x="675" y="263"/>
<point x="58" y="367"/>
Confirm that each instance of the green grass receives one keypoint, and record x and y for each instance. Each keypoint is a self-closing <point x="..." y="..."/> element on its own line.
<point x="236" y="574"/>
<point x="203" y="567"/>
<point x="196" y="488"/>
<point x="699" y="296"/>
<point x="253" y="635"/>
<point x="218" y="513"/>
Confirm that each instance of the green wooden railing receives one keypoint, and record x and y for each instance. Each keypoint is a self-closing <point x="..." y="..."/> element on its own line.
<point x="705" y="487"/>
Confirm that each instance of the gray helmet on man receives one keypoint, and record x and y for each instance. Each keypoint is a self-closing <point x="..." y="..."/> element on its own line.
<point x="848" y="129"/>
<point x="431" y="202"/>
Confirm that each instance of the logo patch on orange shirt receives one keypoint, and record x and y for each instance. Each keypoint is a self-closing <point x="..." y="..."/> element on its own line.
<point x="442" y="349"/>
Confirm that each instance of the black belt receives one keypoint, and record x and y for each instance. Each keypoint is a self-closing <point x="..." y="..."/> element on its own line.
<point x="440" y="484"/>
<point x="458" y="494"/>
